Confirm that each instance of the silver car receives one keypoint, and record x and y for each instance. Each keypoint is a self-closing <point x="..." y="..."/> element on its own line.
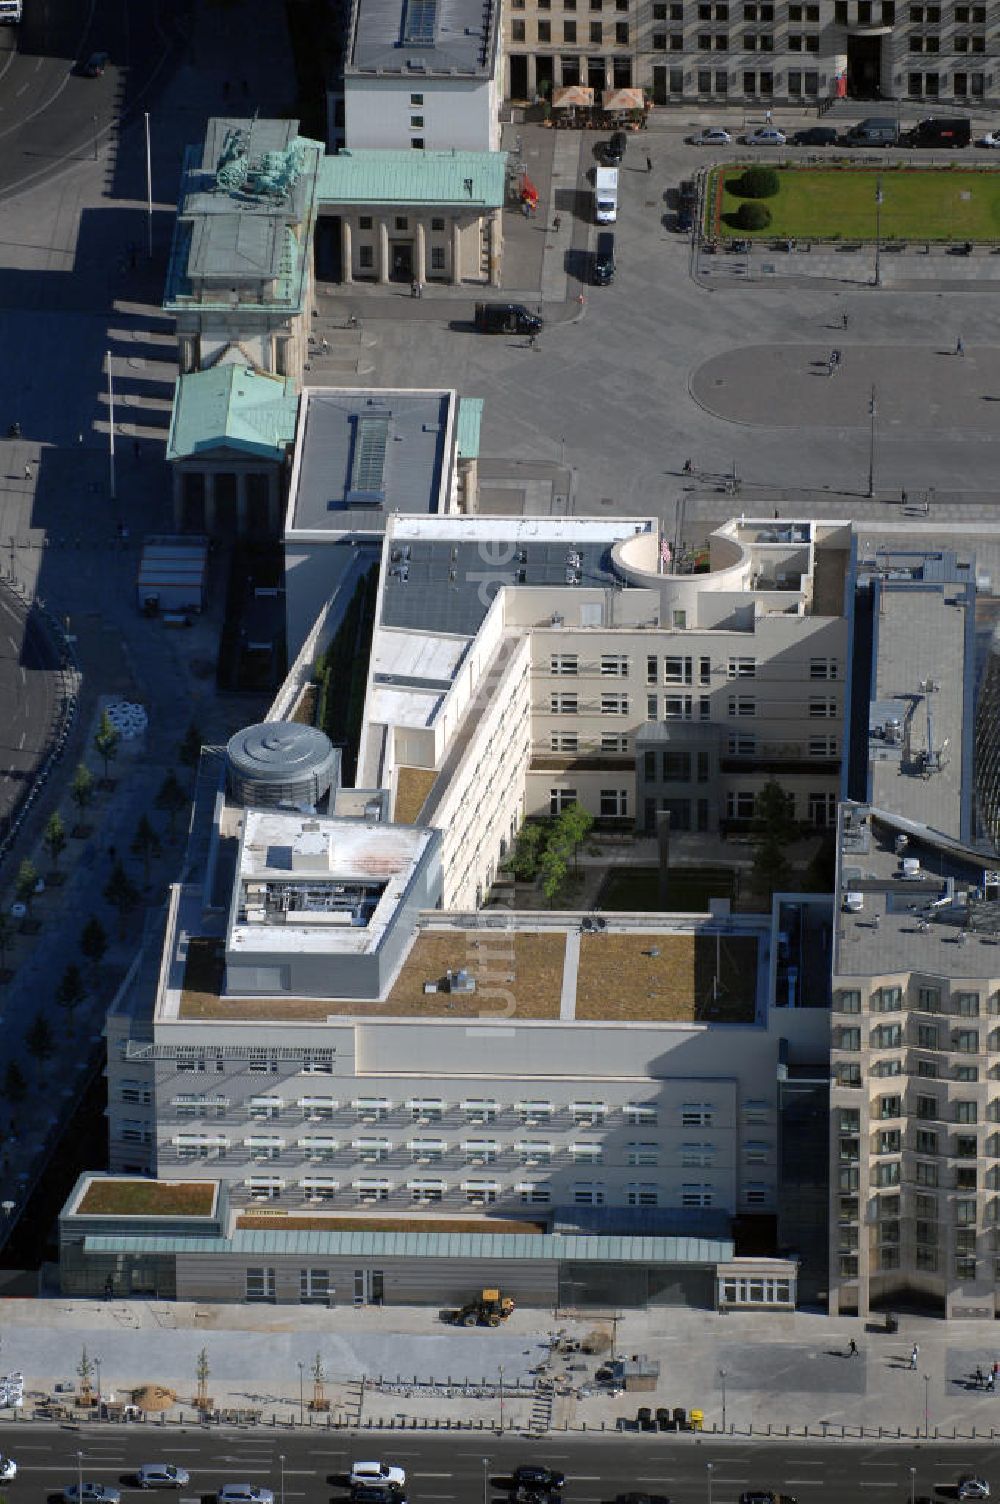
<point x="161" y="1475"/>
<point x="244" y="1493"/>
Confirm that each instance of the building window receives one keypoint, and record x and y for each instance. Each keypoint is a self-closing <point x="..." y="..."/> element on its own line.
<point x="887" y="1000"/>
<point x="614" y="742"/>
<point x="641" y="1195"/>
<point x="614" y="666"/>
<point x="614" y="803"/>
<point x="967" y="1004"/>
<point x="621" y="33"/>
<point x="563" y="741"/>
<point x="314" y="1287"/>
<point x="416" y="122"/>
<point x="560" y="799"/>
<point x="822" y="746"/>
<point x="677" y="707"/>
<point x="697" y="1156"/>
<point x="544" y="31"/>
<point x="366" y="257"/>
<point x="641" y="1114"/>
<point x="437" y="226"/>
<point x="534" y="1195"/>
<point x="642" y="1153"/>
<point x="437" y="258"/>
<point x="966" y="1041"/>
<point x="565" y="665"/>
<point x="401" y="222"/>
<point x="260" y="1284"/>
<point x="887" y="1174"/>
<point x="742" y="706"/>
<point x="818" y="709"/>
<point x="740" y="804"/>
<point x="596" y="31"/>
<point x="563" y="704"/>
<point x="416" y="100"/>
<point x="696" y="1115"/>
<point x="517" y="31"/>
<point x="696" y="1194"/>
<point x="588" y="1193"/>
<point x="926" y="1174"/>
<point x="847" y="1000"/>
<point x="569" y="32"/>
<point x="741" y="668"/>
<point x="614" y="704"/>
<point x="966" y="1112"/>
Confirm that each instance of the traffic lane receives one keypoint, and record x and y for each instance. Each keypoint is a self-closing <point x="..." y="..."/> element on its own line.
<point x="443" y="1468"/>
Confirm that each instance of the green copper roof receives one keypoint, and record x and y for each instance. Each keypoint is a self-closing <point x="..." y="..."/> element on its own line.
<point x="470" y="421"/>
<point x="474" y="178"/>
<point x="233" y="407"/>
<point x="594" y="1248"/>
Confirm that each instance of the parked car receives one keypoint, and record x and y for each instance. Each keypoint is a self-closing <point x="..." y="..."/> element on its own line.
<point x="970" y="1486"/>
<point x="537" y="1478"/>
<point x="992" y="138"/>
<point x="8" y="1469"/>
<point x="767" y="135"/>
<point x="712" y="135"/>
<point x="161" y="1475"/>
<point x="765" y="1496"/>
<point x="687" y="193"/>
<point x="95" y="64"/>
<point x="244" y="1493"/>
<point x="376" y="1475"/>
<point x="507" y="318"/>
<point x="91" y="1493"/>
<point x="613" y="151"/>
<point x="641" y="1499"/>
<point x="602" y="268"/>
<point x="684" y="220"/>
<point x="816" y="135"/>
<point x="378" y="1493"/>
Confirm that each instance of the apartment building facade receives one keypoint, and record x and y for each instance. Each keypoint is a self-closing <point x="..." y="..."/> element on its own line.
<point x="756" y="51"/>
<point x="915" y="1151"/>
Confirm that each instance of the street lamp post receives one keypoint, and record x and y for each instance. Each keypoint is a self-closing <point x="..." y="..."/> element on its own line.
<point x="97" y="1365"/>
<point x="149" y="191"/>
<point x="722" y="1376"/>
<point x="487" y="1464"/>
<point x="913" y="1485"/>
<point x="927" y="1406"/>
<point x="873" y="414"/>
<point x="878" y="232"/>
<point x="501" y="1400"/>
<point x="94" y="119"/>
<point x="281" y="1486"/>
<point x="708" y="1474"/>
<point x="111" y="433"/>
<point x="302" y="1397"/>
<point x="79" y="1477"/>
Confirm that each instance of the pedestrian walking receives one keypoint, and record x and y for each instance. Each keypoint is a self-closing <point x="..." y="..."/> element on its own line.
<point x="649" y="163"/>
<point x="903" y="498"/>
<point x="914" y="1355"/>
<point x="845" y="318"/>
<point x="27" y="469"/>
<point x="852" y="1351"/>
<point x="555" y="224"/>
<point x="980" y="1378"/>
<point x="959" y="346"/>
<point x="990" y="1379"/>
<point x="688" y="467"/>
<point x="324" y="346"/>
<point x="995" y="1371"/>
<point x="767" y="117"/>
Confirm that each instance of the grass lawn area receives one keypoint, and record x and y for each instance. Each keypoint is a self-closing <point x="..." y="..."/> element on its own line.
<point x="917" y="204"/>
<point x="147" y="1198"/>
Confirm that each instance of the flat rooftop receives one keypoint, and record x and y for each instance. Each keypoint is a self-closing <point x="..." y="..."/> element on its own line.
<point x="147" y="1198"/>
<point x="418" y="37"/>
<point x="689" y="973"/>
<point x="362" y="455"/>
<point x="313" y="883"/>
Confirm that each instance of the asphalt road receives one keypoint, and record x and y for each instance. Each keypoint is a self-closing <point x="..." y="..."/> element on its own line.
<point x="28" y="691"/>
<point x="451" y="1470"/>
<point x="50" y="116"/>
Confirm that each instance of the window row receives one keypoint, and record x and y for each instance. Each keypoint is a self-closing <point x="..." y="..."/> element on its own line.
<point x="257" y="1063"/>
<point x="430" y="1189"/>
<point x="925" y="999"/>
<point x="435" y="1150"/>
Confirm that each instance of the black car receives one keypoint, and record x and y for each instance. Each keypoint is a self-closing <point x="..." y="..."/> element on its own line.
<point x="613" y="152"/>
<point x="378" y="1493"/>
<point x="95" y="65"/>
<point x="816" y="135"/>
<point x="687" y="193"/>
<point x="507" y="318"/>
<point x="534" y="1478"/>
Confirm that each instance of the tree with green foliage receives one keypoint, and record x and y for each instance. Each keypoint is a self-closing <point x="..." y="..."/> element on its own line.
<point x="93" y="941"/>
<point x="753" y="216"/>
<point x="15" y="1087"/>
<point x="38" y="1038"/>
<point x="758" y="181"/>
<point x="54" y="838"/>
<point x="146" y="846"/>
<point x="572" y="827"/>
<point x="774" y="827"/>
<point x="82" y="788"/>
<point x="71" y="990"/>
<point x="554" y="867"/>
<point x="122" y="894"/>
<point x="107" y="739"/>
<point x="527" y="851"/>
<point x="27" y="880"/>
<point x="171" y="799"/>
<point x="189" y="751"/>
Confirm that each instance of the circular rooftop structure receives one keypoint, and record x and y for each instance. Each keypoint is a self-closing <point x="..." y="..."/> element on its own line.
<point x="280" y="762"/>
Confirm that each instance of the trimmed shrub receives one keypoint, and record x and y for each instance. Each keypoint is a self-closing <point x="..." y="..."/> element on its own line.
<point x="753" y="216"/>
<point x="758" y="181"/>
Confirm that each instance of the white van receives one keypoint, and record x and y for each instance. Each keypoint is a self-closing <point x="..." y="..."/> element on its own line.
<point x="606" y="195"/>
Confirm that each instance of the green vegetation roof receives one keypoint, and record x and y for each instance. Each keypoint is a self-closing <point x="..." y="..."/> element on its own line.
<point x="232" y="406"/>
<point x="147" y="1198"/>
<point x="461" y="179"/>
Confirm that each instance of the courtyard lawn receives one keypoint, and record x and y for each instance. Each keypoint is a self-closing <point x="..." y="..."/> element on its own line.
<point x="917" y="204"/>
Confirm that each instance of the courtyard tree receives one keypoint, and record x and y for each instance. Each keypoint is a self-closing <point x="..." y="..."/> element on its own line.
<point x="82" y="788"/>
<point x="71" y="991"/>
<point x="38" y="1038"/>
<point x="107" y="739"/>
<point x="146" y="846"/>
<point x="54" y="838"/>
<point x="26" y="883"/>
<point x="170" y="800"/>
<point x="122" y="894"/>
<point x="93" y="941"/>
<point x="572" y="827"/>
